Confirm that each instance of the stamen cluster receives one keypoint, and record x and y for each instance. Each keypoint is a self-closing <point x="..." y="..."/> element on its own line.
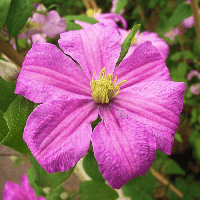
<point x="103" y="89"/>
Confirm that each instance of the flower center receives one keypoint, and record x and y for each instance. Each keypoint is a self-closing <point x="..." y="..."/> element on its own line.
<point x="103" y="89"/>
<point x="91" y="12"/>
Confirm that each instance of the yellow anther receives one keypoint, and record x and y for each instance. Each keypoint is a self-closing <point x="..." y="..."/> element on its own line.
<point x="91" y="12"/>
<point x="133" y="41"/>
<point x="103" y="89"/>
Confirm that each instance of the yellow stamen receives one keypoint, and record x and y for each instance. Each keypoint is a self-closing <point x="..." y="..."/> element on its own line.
<point x="133" y="41"/>
<point x="103" y="89"/>
<point x="91" y="13"/>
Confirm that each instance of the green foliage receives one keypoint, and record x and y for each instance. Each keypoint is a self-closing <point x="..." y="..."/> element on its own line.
<point x="44" y="179"/>
<point x="18" y="14"/>
<point x="178" y="137"/>
<point x="7" y="94"/>
<point x="189" y="190"/>
<point x="127" y="43"/>
<point x="171" y="167"/>
<point x="16" y="117"/>
<point x="4" y="8"/>
<point x="140" y="187"/>
<point x="90" y="166"/>
<point x="182" y="12"/>
<point x="178" y="73"/>
<point x="72" y="26"/>
<point x="3" y="126"/>
<point x="55" y="193"/>
<point x="120" y="5"/>
<point x="95" y="190"/>
<point x="82" y="18"/>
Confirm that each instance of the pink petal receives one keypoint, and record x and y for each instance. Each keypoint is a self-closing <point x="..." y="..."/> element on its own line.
<point x="192" y="74"/>
<point x="94" y="48"/>
<point x="144" y="64"/>
<point x="157" y="42"/>
<point x="49" y="74"/>
<point x="58" y="132"/>
<point x="156" y="104"/>
<point x="28" y="190"/>
<point x="109" y="19"/>
<point x="54" y="24"/>
<point x="195" y="89"/>
<point x="82" y="24"/>
<point x="13" y="191"/>
<point x="122" y="148"/>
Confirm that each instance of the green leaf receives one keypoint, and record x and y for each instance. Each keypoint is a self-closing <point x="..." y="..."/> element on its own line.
<point x="194" y="190"/>
<point x="120" y="5"/>
<point x="140" y="187"/>
<point x="182" y="12"/>
<point x="178" y="137"/>
<point x="82" y="18"/>
<point x="172" y="167"/>
<point x="3" y="127"/>
<point x="94" y="190"/>
<point x="45" y="179"/>
<point x="176" y="56"/>
<point x="127" y="42"/>
<point x="72" y="26"/>
<point x="18" y="14"/>
<point x="55" y="193"/>
<point x="7" y="94"/>
<point x="16" y="117"/>
<point x="4" y="8"/>
<point x="178" y="73"/>
<point x="90" y="166"/>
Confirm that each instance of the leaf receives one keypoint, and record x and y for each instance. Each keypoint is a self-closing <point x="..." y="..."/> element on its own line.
<point x="172" y="167"/>
<point x="18" y="14"/>
<point x="94" y="190"/>
<point x="178" y="137"/>
<point x="83" y="18"/>
<point x="7" y="94"/>
<point x="140" y="187"/>
<point x="178" y="73"/>
<point x="55" y="194"/>
<point x="73" y="26"/>
<point x="194" y="190"/>
<point x="182" y="12"/>
<point x="120" y="5"/>
<point x="4" y="8"/>
<point x="90" y="166"/>
<point x="16" y="117"/>
<point x="127" y="42"/>
<point x="45" y="179"/>
<point x="3" y="127"/>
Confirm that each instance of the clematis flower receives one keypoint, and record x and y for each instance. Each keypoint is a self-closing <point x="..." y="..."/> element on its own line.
<point x="50" y="24"/>
<point x="13" y="191"/>
<point x="195" y="89"/>
<point x="157" y="42"/>
<point x="108" y="19"/>
<point x="139" y="104"/>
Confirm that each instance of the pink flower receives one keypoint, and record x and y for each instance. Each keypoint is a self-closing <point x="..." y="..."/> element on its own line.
<point x="195" y="89"/>
<point x="108" y="19"/>
<point x="13" y="191"/>
<point x="51" y="24"/>
<point x="172" y="34"/>
<point x="157" y="42"/>
<point x="114" y="4"/>
<point x="139" y="104"/>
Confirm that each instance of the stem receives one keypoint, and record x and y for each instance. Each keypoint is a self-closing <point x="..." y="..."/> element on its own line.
<point x="195" y="12"/>
<point x="141" y="11"/>
<point x="165" y="182"/>
<point x="94" y="5"/>
<point x="87" y="5"/>
<point x="16" y="44"/>
<point x="11" y="53"/>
